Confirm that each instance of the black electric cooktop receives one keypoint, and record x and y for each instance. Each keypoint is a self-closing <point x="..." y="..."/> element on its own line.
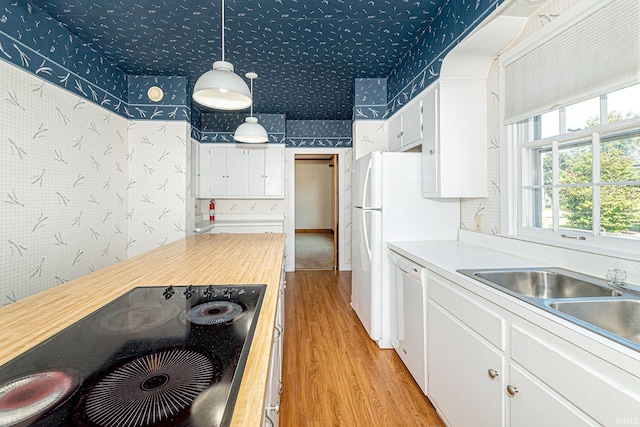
<point x="156" y="356"/>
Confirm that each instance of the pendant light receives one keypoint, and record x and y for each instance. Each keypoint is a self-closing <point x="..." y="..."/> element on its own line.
<point x="221" y="88"/>
<point x="251" y="131"/>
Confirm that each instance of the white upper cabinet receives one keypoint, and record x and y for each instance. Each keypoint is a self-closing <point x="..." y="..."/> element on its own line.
<point x="454" y="143"/>
<point x="405" y="127"/>
<point x="395" y="133"/>
<point x="455" y="136"/>
<point x="227" y="174"/>
<point x="229" y="171"/>
<point x="266" y="171"/>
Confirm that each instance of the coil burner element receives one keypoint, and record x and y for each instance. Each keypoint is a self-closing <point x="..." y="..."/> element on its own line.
<point x="32" y="395"/>
<point x="154" y="389"/>
<point x="215" y="313"/>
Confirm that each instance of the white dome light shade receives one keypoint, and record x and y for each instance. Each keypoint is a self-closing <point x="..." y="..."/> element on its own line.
<point x="222" y="89"/>
<point x="251" y="132"/>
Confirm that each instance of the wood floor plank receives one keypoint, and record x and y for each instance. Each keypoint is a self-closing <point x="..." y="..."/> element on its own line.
<point x="333" y="373"/>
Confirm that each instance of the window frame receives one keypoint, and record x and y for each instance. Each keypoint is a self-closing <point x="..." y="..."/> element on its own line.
<point x="519" y="170"/>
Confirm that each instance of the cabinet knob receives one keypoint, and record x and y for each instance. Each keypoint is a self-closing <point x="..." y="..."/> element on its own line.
<point x="512" y="390"/>
<point x="275" y="408"/>
<point x="431" y="151"/>
<point x="493" y="374"/>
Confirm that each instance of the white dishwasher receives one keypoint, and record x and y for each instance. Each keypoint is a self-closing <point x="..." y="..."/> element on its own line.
<point x="408" y="318"/>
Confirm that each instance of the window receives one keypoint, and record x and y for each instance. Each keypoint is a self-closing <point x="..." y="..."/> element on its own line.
<point x="580" y="171"/>
<point x="570" y="103"/>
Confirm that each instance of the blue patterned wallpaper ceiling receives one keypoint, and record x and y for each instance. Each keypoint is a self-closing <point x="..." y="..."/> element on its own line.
<point x="307" y="53"/>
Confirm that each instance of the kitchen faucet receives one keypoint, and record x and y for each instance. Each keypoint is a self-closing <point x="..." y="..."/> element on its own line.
<point x="617" y="278"/>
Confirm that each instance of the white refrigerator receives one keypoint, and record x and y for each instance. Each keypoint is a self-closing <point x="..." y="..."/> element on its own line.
<point x="388" y="206"/>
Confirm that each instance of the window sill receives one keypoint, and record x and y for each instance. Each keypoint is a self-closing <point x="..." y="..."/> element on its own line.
<point x="589" y="261"/>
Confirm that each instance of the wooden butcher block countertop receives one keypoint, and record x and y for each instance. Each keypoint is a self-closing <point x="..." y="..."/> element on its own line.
<point x="197" y="260"/>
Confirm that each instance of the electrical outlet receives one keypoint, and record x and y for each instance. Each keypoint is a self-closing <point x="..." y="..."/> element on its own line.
<point x="478" y="220"/>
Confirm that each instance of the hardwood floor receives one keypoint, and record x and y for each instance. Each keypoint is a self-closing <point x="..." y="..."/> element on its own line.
<point x="333" y="373"/>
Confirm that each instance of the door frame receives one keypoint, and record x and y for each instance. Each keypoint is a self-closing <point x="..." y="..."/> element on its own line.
<point x="344" y="258"/>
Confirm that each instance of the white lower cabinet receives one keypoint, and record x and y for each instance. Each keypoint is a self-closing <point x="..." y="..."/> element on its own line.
<point x="275" y="385"/>
<point x="459" y="372"/>
<point x="490" y="367"/>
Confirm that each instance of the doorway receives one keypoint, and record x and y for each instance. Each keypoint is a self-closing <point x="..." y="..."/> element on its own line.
<point x="316" y="211"/>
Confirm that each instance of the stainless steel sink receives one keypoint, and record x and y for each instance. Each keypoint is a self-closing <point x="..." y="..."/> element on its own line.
<point x="592" y="303"/>
<point x="543" y="283"/>
<point x="619" y="317"/>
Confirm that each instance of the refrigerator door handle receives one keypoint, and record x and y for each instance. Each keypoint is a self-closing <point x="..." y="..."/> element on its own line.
<point x="365" y="232"/>
<point x="365" y="188"/>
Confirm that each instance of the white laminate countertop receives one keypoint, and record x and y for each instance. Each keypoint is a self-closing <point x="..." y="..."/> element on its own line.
<point x="453" y="255"/>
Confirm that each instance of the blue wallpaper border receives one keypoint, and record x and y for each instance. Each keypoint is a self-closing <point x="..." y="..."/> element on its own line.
<point x="227" y="137"/>
<point x="279" y="138"/>
<point x="319" y="142"/>
<point x="370" y="112"/>
<point x="65" y="79"/>
<point x="464" y="17"/>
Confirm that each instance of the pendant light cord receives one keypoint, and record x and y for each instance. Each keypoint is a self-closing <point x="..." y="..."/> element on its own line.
<point x="223" y="30"/>
<point x="251" y="112"/>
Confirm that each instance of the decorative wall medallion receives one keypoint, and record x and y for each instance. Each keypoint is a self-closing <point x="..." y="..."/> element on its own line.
<point x="155" y="94"/>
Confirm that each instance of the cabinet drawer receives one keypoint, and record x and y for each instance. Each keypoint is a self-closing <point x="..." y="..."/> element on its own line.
<point x="600" y="389"/>
<point x="483" y="321"/>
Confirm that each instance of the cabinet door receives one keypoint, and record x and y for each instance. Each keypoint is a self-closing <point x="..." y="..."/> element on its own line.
<point x="256" y="177"/>
<point x="236" y="172"/>
<point x="275" y="386"/>
<point x="412" y="125"/>
<point x="217" y="171"/>
<point x="572" y="374"/>
<point x="266" y="171"/>
<point x="460" y="370"/>
<point x="430" y="149"/>
<point x="395" y="133"/>
<point x="533" y="404"/>
<point x="274" y="171"/>
<point x="204" y="172"/>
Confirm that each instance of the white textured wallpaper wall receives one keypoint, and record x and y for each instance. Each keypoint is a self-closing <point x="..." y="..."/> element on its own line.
<point x="82" y="188"/>
<point x="63" y="173"/>
<point x="483" y="215"/>
<point x="158" y="184"/>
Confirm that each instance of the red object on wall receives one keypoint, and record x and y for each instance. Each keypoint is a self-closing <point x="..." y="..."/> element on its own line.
<point x="212" y="211"/>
